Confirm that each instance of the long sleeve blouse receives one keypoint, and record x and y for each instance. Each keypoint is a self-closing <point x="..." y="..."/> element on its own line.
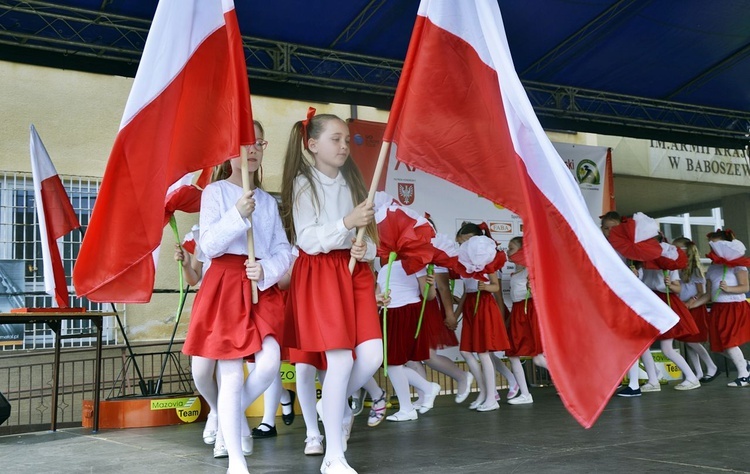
<point x="224" y="230"/>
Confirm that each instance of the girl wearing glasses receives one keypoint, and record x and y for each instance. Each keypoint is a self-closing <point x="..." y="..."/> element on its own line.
<point x="225" y="326"/>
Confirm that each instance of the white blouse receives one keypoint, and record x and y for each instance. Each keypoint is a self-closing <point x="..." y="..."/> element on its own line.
<point x="404" y="288"/>
<point x="224" y="230"/>
<point x="715" y="274"/>
<point x="519" y="285"/>
<point x="690" y="288"/>
<point x="321" y="229"/>
<point x="654" y="279"/>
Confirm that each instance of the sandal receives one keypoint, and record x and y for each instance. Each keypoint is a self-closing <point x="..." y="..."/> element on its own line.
<point x="377" y="412"/>
<point x="289" y="419"/>
<point x="739" y="382"/>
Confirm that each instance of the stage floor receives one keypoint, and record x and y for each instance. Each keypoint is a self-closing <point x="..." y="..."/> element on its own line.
<point x="704" y="430"/>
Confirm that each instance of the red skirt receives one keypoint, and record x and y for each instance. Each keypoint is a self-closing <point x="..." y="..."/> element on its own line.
<point x="316" y="359"/>
<point x="700" y="316"/>
<point x="224" y="323"/>
<point x="728" y="325"/>
<point x="525" y="339"/>
<point x="484" y="331"/>
<point x="331" y="308"/>
<point x="401" y="326"/>
<point x="433" y="327"/>
<point x="686" y="326"/>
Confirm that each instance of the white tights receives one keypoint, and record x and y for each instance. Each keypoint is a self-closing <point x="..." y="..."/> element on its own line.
<point x="484" y="374"/>
<point x="735" y="354"/>
<point x="697" y="353"/>
<point x="401" y="377"/>
<point x="232" y="377"/>
<point x="668" y="350"/>
<point x="503" y="369"/>
<point x="307" y="396"/>
<point x="344" y="377"/>
<point x="517" y="368"/>
<point x="205" y="383"/>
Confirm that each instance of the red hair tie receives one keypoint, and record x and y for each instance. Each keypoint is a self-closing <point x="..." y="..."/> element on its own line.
<point x="310" y="114"/>
<point x="486" y="229"/>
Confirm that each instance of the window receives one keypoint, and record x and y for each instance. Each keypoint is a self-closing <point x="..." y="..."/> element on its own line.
<point x="21" y="266"/>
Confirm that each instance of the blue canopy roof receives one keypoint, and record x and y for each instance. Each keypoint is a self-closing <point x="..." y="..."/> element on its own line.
<point x="659" y="69"/>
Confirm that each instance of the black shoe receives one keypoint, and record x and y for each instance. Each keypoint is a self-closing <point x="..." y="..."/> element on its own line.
<point x="709" y="378"/>
<point x="289" y="419"/>
<point x="629" y="392"/>
<point x="259" y="433"/>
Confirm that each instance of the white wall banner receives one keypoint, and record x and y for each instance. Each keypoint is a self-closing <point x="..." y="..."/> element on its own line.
<point x="698" y="163"/>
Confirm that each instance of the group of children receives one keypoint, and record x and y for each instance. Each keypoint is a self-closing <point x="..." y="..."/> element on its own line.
<point x="315" y="311"/>
<point x="726" y="326"/>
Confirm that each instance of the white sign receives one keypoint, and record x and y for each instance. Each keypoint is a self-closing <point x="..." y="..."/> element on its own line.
<point x="698" y="163"/>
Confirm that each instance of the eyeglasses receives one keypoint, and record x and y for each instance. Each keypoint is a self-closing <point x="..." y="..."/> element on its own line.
<point x="260" y="144"/>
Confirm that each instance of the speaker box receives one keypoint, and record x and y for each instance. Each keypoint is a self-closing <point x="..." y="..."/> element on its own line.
<point x="4" y="409"/>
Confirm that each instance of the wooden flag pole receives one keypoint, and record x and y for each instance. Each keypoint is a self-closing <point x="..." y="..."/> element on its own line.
<point x="371" y="196"/>
<point x="250" y="240"/>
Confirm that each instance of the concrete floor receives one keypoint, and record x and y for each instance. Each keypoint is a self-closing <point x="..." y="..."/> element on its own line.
<point x="704" y="430"/>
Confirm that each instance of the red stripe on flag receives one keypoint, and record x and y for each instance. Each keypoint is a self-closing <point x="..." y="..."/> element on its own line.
<point x="199" y="120"/>
<point x="452" y="124"/>
<point x="60" y="216"/>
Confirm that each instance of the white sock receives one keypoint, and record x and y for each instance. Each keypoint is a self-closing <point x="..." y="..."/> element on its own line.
<point x="488" y="373"/>
<point x="203" y="375"/>
<point x="515" y="364"/>
<point x="668" y="350"/>
<point x="476" y="371"/>
<point x="735" y="353"/>
<point x="306" y="394"/>
<point x="700" y="351"/>
<point x="633" y="373"/>
<point x="340" y="364"/>
<point x="267" y="363"/>
<point x="271" y="400"/>
<point x="648" y="364"/>
<point x="503" y="369"/>
<point x="232" y="378"/>
<point x="397" y="375"/>
<point x="540" y="360"/>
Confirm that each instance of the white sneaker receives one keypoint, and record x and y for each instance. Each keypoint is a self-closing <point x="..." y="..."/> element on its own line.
<point x="687" y="385"/>
<point x="314" y="446"/>
<point x="462" y="396"/>
<point x="521" y="400"/>
<point x="475" y="404"/>
<point x="209" y="431"/>
<point x="336" y="466"/>
<point x="403" y="416"/>
<point x="220" y="451"/>
<point x="651" y="387"/>
<point x="247" y="445"/>
<point x="489" y="407"/>
<point x="429" y="399"/>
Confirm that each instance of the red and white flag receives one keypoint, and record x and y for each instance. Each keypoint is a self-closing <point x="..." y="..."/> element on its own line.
<point x="189" y="109"/>
<point x="461" y="113"/>
<point x="56" y="218"/>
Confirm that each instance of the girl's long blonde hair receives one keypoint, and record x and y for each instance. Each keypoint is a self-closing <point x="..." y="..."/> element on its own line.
<point x="297" y="163"/>
<point x="694" y="266"/>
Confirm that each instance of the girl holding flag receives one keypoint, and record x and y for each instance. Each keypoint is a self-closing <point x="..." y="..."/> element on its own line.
<point x="726" y="285"/>
<point x="333" y="310"/>
<point x="224" y="325"/>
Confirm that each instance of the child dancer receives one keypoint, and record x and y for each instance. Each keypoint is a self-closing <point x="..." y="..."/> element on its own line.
<point x="726" y="285"/>
<point x="525" y="339"/>
<point x="664" y="283"/>
<point x="404" y="304"/>
<point x="438" y="326"/>
<point x="334" y="310"/>
<point x="693" y="283"/>
<point x="483" y="330"/>
<point x="225" y="326"/>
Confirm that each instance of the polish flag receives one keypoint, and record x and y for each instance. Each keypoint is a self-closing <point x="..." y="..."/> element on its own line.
<point x="56" y="218"/>
<point x="461" y="113"/>
<point x="189" y="109"/>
